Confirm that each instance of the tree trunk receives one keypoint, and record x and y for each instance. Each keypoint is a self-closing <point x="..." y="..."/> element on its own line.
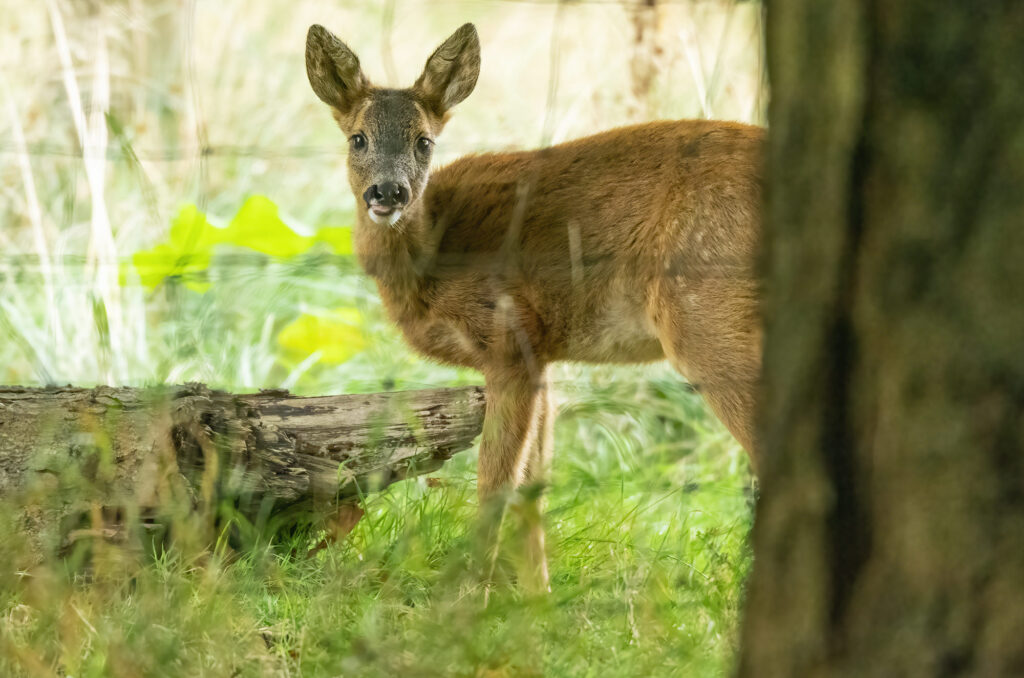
<point x="117" y="449"/>
<point x="889" y="539"/>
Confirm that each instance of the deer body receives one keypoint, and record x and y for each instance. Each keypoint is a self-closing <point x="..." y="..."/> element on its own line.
<point x="632" y="245"/>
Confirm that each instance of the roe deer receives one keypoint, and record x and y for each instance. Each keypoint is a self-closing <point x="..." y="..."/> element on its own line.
<point x="632" y="245"/>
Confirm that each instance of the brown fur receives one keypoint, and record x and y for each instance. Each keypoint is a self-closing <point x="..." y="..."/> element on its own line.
<point x="629" y="246"/>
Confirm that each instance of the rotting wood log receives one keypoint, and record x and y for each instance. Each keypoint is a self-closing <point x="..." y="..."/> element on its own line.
<point x="62" y="449"/>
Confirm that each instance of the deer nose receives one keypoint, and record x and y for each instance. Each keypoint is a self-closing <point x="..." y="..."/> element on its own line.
<point x="387" y="194"/>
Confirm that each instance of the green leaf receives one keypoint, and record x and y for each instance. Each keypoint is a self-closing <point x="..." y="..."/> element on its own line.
<point x="258" y="227"/>
<point x="337" y="335"/>
<point x="191" y="233"/>
<point x="338" y="238"/>
<point x="164" y="261"/>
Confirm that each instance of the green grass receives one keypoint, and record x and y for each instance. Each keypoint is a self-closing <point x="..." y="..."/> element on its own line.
<point x="647" y="520"/>
<point x="649" y="506"/>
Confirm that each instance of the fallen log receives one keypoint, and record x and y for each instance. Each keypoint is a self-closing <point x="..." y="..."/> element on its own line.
<point x="62" y="449"/>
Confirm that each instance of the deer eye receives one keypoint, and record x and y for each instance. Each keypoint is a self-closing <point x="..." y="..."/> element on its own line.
<point x="358" y="142"/>
<point x="423" y="145"/>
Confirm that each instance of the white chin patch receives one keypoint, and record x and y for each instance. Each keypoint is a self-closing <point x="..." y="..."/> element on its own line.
<point x="381" y="219"/>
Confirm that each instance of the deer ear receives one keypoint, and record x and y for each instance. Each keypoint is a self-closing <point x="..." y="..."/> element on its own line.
<point x="333" y="70"/>
<point x="451" y="71"/>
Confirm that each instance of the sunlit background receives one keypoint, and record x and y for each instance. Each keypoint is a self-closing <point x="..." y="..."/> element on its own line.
<point x="173" y="207"/>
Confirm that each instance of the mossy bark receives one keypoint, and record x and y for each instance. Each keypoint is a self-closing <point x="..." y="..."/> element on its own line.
<point x="889" y="539"/>
<point x="65" y="451"/>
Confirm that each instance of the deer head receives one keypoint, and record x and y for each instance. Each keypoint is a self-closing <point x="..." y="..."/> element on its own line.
<point x="391" y="132"/>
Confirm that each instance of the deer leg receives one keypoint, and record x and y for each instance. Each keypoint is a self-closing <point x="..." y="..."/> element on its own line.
<point x="734" y="406"/>
<point x="730" y="396"/>
<point x="710" y="333"/>
<point x="535" y="478"/>
<point x="509" y="425"/>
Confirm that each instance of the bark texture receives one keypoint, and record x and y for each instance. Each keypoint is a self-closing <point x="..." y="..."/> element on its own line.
<point x="889" y="538"/>
<point x="147" y="448"/>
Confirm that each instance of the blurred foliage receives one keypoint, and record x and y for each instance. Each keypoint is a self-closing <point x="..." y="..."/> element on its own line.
<point x="188" y="252"/>
<point x="337" y="335"/>
<point x="256" y="226"/>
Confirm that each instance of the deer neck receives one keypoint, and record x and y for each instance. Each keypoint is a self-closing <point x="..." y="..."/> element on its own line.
<point x="397" y="257"/>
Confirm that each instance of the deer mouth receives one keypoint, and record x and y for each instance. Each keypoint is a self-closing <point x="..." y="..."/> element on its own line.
<point x="383" y="214"/>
